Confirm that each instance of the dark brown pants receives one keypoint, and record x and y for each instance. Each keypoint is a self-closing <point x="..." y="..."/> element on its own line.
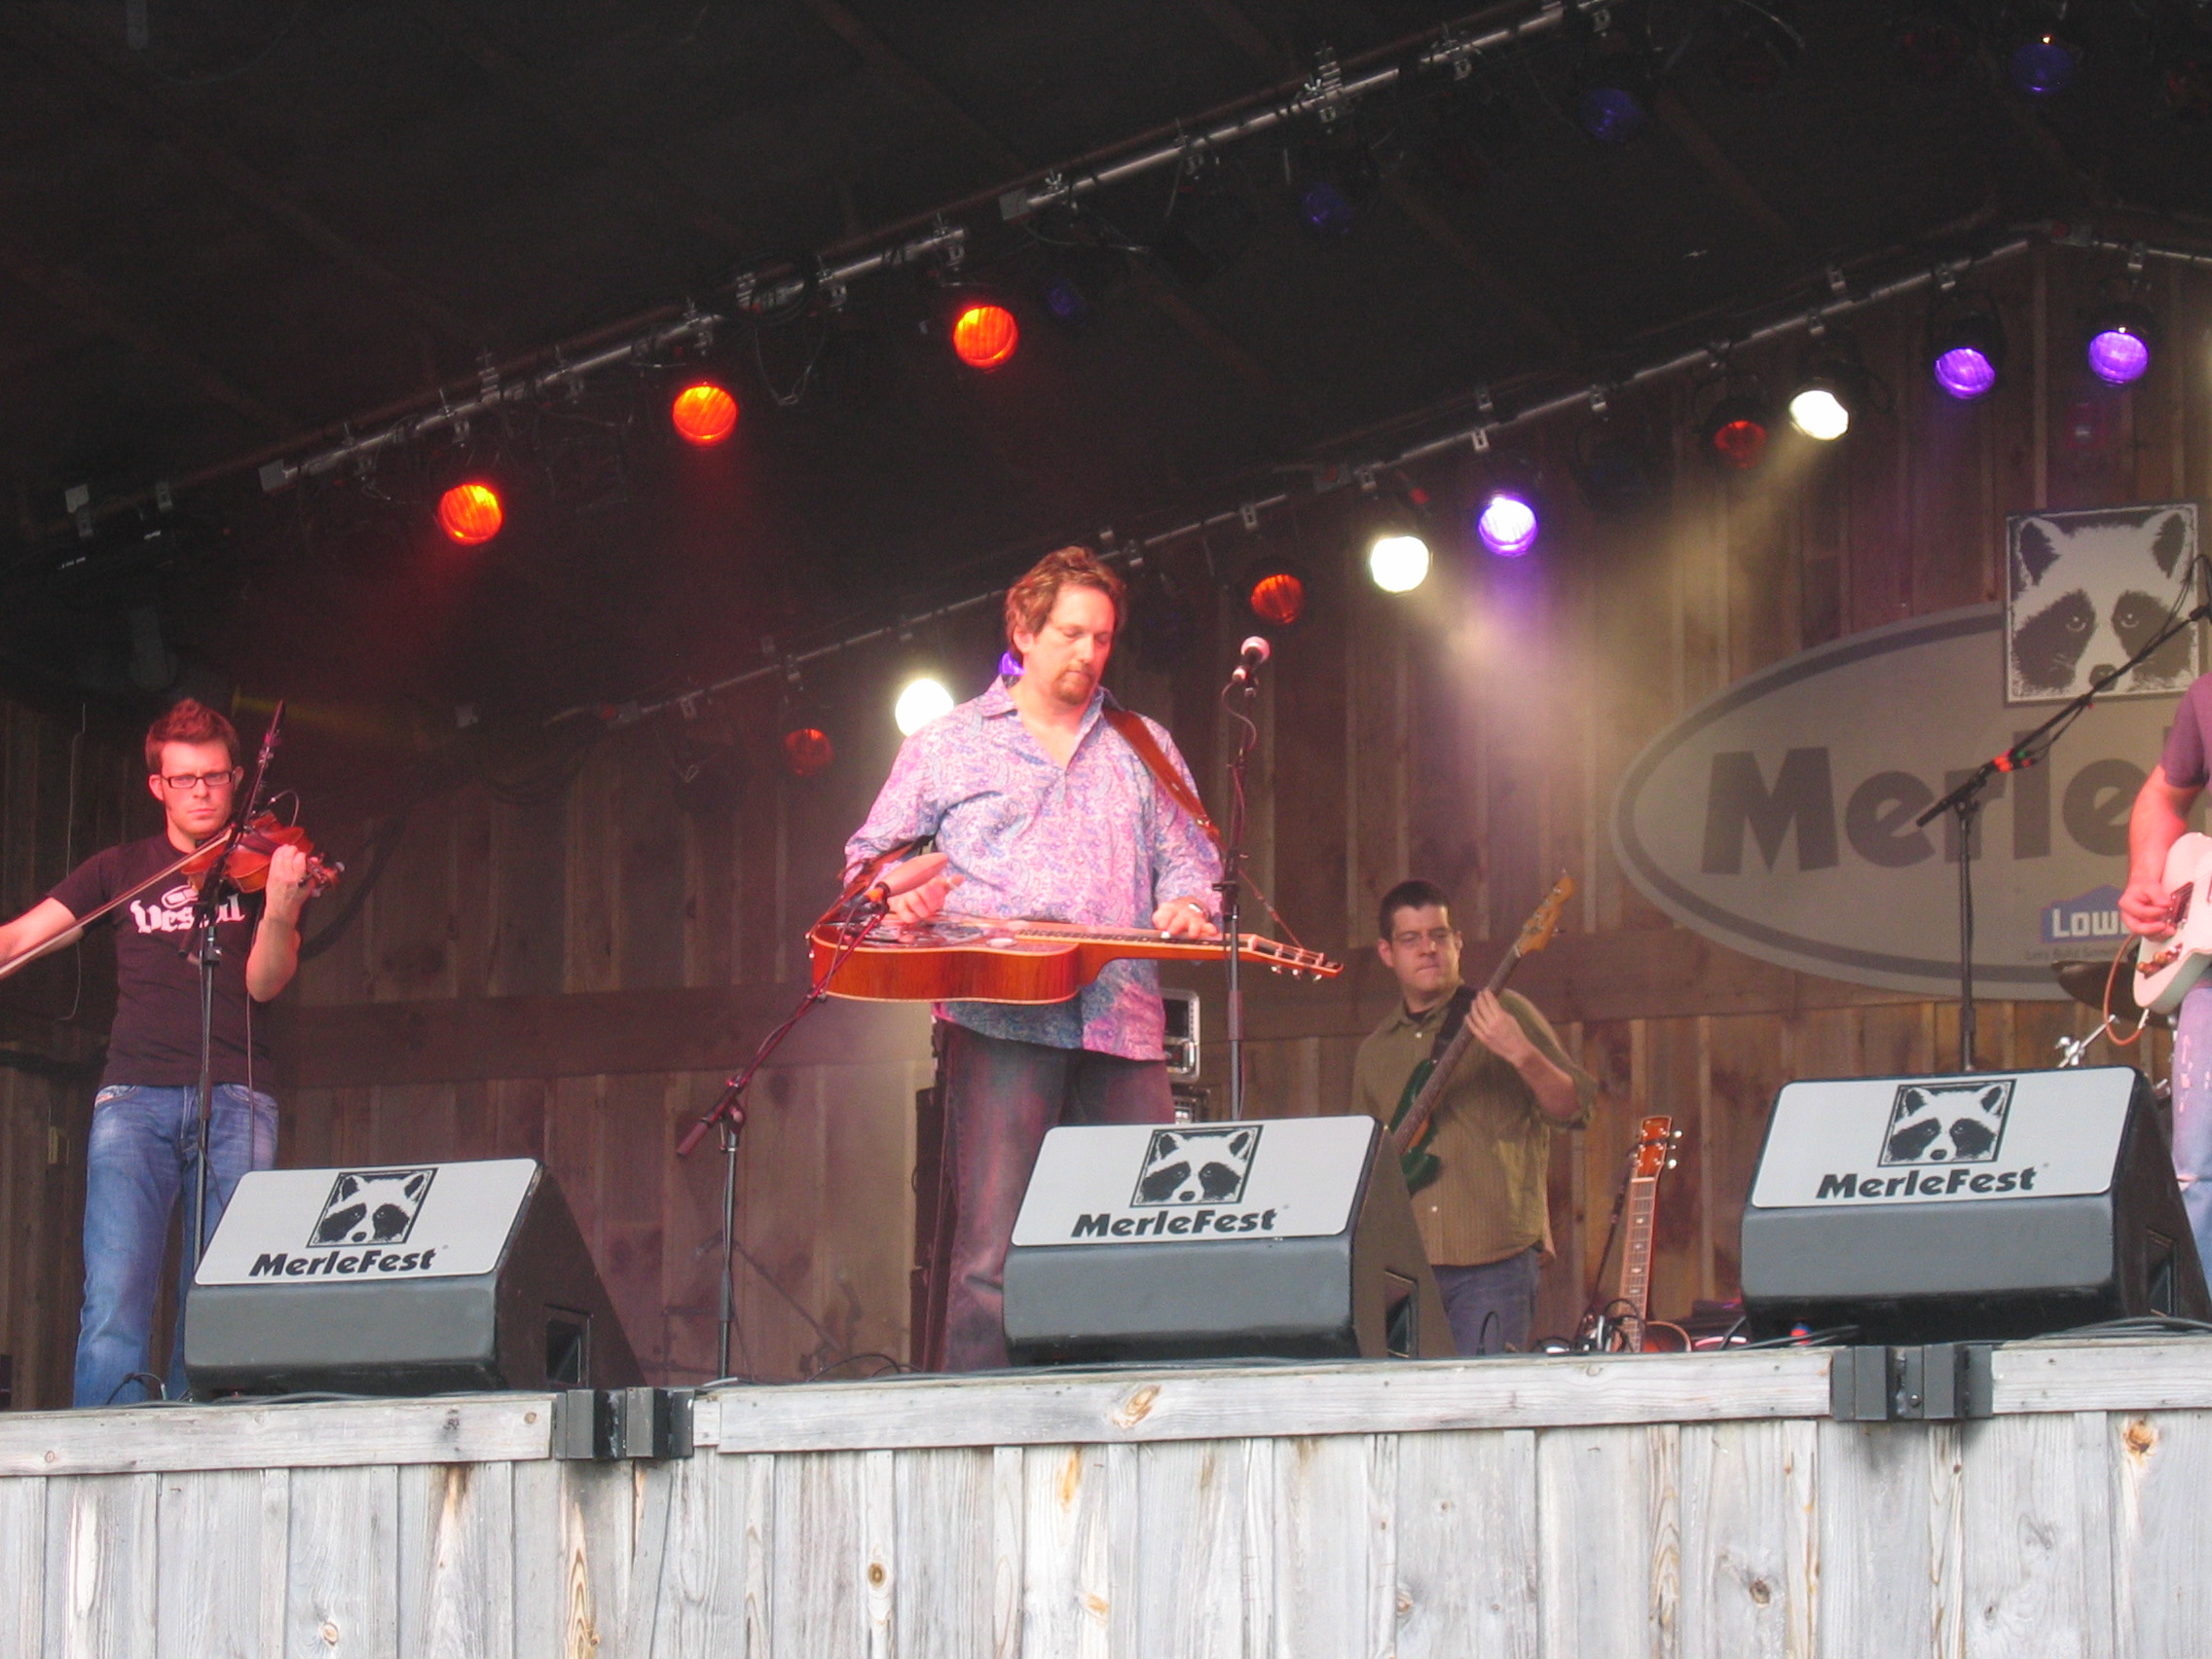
<point x="1001" y="1096"/>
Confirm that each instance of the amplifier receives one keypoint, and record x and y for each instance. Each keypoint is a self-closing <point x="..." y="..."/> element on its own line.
<point x="1940" y="1208"/>
<point x="411" y="1279"/>
<point x="1288" y="1238"/>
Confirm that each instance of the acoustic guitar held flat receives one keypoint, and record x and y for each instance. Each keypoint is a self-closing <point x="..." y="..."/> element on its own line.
<point x="2165" y="968"/>
<point x="1414" y="1124"/>
<point x="955" y="958"/>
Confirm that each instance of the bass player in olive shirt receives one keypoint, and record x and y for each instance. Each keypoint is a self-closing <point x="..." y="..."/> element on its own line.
<point x="1483" y="1221"/>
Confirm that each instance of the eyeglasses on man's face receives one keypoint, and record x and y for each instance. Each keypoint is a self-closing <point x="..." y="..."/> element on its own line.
<point x="185" y="783"/>
<point x="1438" y="937"/>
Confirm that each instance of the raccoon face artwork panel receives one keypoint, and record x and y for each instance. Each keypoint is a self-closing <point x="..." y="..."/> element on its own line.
<point x="2085" y="591"/>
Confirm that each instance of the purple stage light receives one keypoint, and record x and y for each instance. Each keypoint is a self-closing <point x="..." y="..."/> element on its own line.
<point x="1966" y="373"/>
<point x="2043" y="67"/>
<point x="1325" y="208"/>
<point x="1009" y="666"/>
<point x="1065" y="299"/>
<point x="1507" y="524"/>
<point x="1609" y="114"/>
<point x="2118" y="356"/>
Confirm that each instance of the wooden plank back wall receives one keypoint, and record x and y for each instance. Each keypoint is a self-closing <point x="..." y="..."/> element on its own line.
<point x="63" y="796"/>
<point x="564" y="967"/>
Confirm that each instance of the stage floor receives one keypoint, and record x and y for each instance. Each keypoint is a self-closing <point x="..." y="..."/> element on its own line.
<point x="1566" y="1507"/>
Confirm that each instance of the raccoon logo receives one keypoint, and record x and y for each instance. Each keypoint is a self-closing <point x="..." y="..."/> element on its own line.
<point x="1936" y="1123"/>
<point x="1198" y="1167"/>
<point x="372" y="1206"/>
<point x="2087" y="590"/>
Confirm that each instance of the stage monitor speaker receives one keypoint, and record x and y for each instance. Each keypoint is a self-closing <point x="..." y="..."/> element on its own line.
<point x="1946" y="1208"/>
<point x="401" y="1280"/>
<point x="1289" y="1237"/>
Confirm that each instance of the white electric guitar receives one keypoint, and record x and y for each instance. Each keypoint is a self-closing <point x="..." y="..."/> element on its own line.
<point x="2165" y="968"/>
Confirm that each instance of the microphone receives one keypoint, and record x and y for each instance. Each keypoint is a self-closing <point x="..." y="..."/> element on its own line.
<point x="1253" y="653"/>
<point x="269" y="738"/>
<point x="904" y="879"/>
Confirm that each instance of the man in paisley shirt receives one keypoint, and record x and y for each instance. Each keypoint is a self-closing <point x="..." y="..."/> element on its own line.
<point x="1046" y="813"/>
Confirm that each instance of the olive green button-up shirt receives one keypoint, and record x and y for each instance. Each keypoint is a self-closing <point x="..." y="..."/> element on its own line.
<point x="1494" y="1141"/>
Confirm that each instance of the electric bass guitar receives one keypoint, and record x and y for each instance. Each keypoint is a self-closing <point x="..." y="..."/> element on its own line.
<point x="955" y="958"/>
<point x="2165" y="968"/>
<point x="1414" y="1123"/>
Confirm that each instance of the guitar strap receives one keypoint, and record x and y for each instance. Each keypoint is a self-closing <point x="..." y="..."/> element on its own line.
<point x="1455" y="1015"/>
<point x="1138" y="736"/>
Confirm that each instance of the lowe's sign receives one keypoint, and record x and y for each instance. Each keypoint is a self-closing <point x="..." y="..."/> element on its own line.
<point x="1778" y="816"/>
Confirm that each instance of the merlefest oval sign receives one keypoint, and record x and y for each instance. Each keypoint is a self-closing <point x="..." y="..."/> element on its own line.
<point x="1777" y="816"/>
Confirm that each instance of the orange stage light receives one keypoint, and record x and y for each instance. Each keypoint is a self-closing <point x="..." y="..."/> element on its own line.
<point x="984" y="335"/>
<point x="470" y="513"/>
<point x="704" y="414"/>
<point x="1277" y="597"/>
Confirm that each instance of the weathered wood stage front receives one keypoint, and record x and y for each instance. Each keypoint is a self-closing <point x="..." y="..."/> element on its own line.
<point x="1569" y="1508"/>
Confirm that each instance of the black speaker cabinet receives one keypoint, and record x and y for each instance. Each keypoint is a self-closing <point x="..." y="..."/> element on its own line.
<point x="1288" y="1238"/>
<point x="1943" y="1209"/>
<point x="403" y="1281"/>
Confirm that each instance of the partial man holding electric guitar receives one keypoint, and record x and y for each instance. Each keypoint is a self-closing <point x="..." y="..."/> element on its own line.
<point x="2165" y="905"/>
<point x="1471" y="1086"/>
<point x="1052" y="805"/>
<point x="144" y="1157"/>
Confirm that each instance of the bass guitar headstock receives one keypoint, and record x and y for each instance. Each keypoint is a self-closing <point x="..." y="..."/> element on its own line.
<point x="1536" y="932"/>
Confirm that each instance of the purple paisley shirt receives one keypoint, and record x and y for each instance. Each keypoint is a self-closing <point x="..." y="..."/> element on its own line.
<point x="1098" y="841"/>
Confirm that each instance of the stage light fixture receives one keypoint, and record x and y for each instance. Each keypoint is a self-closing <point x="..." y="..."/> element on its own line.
<point x="1612" y="115"/>
<point x="1966" y="349"/>
<point x="2119" y="342"/>
<point x="2184" y="90"/>
<point x="984" y="332"/>
<point x="703" y="414"/>
<point x="1758" y="46"/>
<point x="1506" y="520"/>
<point x="922" y="701"/>
<point x="1619" y="465"/>
<point x="1827" y="399"/>
<point x="1398" y="562"/>
<point x="2044" y="65"/>
<point x="1931" y="43"/>
<point x="470" y="512"/>
<point x="1274" y="589"/>
<point x="1072" y="282"/>
<point x="1209" y="227"/>
<point x="807" y="750"/>
<point x="1735" y="431"/>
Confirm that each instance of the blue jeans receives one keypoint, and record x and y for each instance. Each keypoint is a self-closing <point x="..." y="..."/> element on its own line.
<point x="144" y="1161"/>
<point x="1490" y="1306"/>
<point x="2193" y="1112"/>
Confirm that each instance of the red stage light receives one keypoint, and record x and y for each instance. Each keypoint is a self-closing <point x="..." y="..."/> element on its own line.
<point x="1277" y="596"/>
<point x="807" y="751"/>
<point x="1740" y="443"/>
<point x="704" y="414"/>
<point x="984" y="335"/>
<point x="470" y="513"/>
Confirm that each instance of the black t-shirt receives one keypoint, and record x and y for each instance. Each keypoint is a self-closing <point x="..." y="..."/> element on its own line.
<point x="156" y="1038"/>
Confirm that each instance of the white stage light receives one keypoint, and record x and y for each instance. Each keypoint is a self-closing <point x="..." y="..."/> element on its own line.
<point x="922" y="701"/>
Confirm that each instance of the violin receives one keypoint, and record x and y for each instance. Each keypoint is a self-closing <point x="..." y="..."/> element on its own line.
<point x="248" y="868"/>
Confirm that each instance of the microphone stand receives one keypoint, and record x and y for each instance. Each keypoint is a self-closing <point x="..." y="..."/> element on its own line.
<point x="216" y="889"/>
<point x="1965" y="803"/>
<point x="1231" y="886"/>
<point x="865" y="901"/>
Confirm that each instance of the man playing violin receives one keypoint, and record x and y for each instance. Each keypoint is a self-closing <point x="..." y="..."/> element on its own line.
<point x="144" y="1149"/>
<point x="1046" y="813"/>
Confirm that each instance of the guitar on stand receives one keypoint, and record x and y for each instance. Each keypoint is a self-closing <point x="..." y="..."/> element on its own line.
<point x="1413" y="1123"/>
<point x="1623" y="1325"/>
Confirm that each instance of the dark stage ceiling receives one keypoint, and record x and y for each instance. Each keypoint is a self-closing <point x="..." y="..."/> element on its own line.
<point x="268" y="219"/>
